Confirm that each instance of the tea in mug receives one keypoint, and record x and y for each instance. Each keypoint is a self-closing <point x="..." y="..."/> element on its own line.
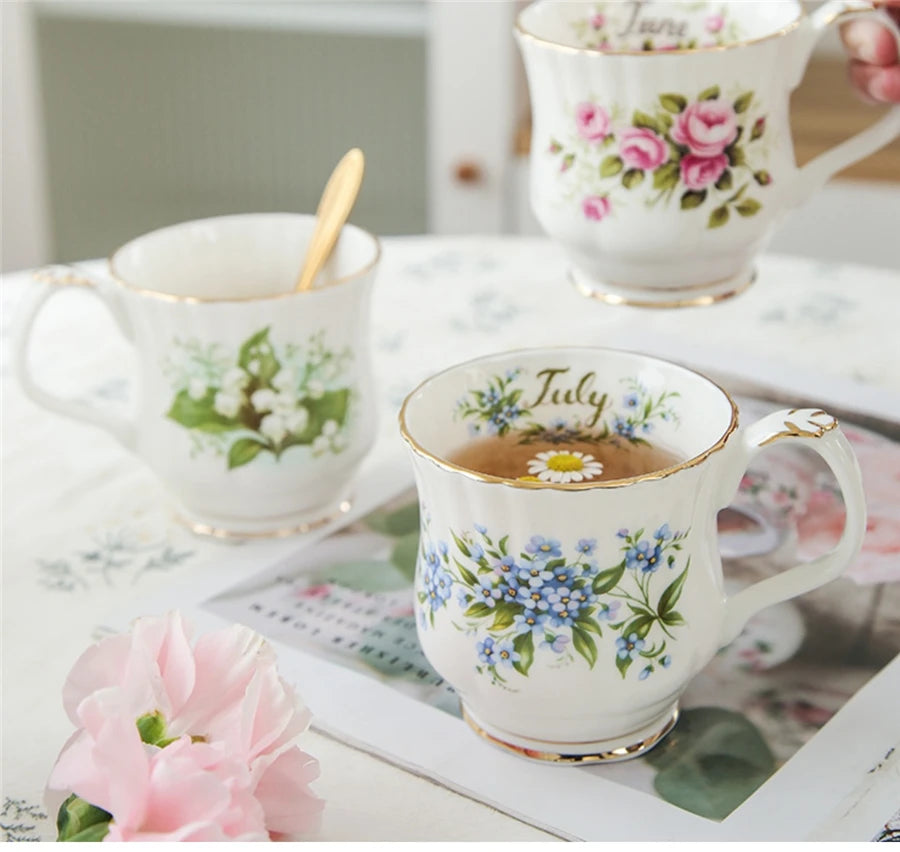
<point x="507" y="456"/>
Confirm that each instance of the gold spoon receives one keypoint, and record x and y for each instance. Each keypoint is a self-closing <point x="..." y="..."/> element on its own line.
<point x="335" y="205"/>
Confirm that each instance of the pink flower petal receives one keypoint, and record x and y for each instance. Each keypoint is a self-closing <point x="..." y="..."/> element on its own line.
<point x="283" y="790"/>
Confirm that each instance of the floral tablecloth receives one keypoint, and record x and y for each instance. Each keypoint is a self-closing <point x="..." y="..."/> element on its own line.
<point x="87" y="529"/>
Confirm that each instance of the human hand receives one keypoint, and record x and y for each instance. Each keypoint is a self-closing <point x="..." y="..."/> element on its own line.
<point x="874" y="56"/>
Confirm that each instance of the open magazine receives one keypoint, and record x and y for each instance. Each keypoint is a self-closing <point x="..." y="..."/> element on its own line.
<point x="780" y="736"/>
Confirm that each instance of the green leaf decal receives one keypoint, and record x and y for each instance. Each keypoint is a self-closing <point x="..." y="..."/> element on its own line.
<point x="468" y="577"/>
<point x="607" y="580"/>
<point x="589" y="624"/>
<point x="725" y="181"/>
<point x="672" y="593"/>
<point x="709" y="94"/>
<point x="641" y="119"/>
<point x="461" y="545"/>
<point x="200" y="414"/>
<point x="332" y="405"/>
<point x="258" y="358"/>
<point x="632" y="178"/>
<point x="748" y="207"/>
<point x="504" y="616"/>
<point x="641" y="625"/>
<point x="622" y="664"/>
<point x="713" y="761"/>
<point x="666" y="176"/>
<point x="673" y="103"/>
<point x="524" y="647"/>
<point x="673" y="619"/>
<point x="243" y="451"/>
<point x="78" y="820"/>
<point x="735" y="155"/>
<point x="718" y="217"/>
<point x="611" y="165"/>
<point x="553" y="564"/>
<point x="584" y="644"/>
<point x="692" y="198"/>
<point x="478" y="610"/>
<point x="502" y="545"/>
<point x="743" y="102"/>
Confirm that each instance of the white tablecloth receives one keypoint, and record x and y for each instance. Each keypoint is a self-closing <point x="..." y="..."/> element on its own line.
<point x="86" y="527"/>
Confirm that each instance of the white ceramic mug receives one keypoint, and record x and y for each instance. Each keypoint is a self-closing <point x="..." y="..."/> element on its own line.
<point x="661" y="155"/>
<point x="570" y="615"/>
<point x="254" y="403"/>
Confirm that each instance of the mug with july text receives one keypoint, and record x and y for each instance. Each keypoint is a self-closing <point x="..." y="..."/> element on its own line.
<point x="569" y="583"/>
<point x="254" y="402"/>
<point x="661" y="155"/>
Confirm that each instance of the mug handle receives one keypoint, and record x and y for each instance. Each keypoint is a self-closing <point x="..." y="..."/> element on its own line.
<point x="817" y="171"/>
<point x="820" y="432"/>
<point x="51" y="281"/>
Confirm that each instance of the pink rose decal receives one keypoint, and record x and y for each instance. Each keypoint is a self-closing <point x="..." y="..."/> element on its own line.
<point x="597" y="21"/>
<point x="187" y="740"/>
<point x="592" y="122"/>
<point x="714" y="23"/>
<point x="641" y="148"/>
<point x="596" y="207"/>
<point x="700" y="172"/>
<point x="706" y="127"/>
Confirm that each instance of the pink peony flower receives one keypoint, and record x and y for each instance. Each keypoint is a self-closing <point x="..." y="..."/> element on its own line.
<point x="706" y="127"/>
<point x="225" y="689"/>
<point x="699" y="172"/>
<point x="714" y="23"/>
<point x="597" y="21"/>
<point x="641" y="148"/>
<point x="592" y="122"/>
<point x="596" y="207"/>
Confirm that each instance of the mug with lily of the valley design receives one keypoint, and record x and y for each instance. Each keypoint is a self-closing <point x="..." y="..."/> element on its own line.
<point x="661" y="156"/>
<point x="254" y="402"/>
<point x="568" y="610"/>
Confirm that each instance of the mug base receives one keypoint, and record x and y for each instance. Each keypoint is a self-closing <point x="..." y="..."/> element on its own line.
<point x="613" y="750"/>
<point x="280" y="527"/>
<point x="663" y="297"/>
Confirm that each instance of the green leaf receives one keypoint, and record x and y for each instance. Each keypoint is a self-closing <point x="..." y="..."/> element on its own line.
<point x="589" y="624"/>
<point x="718" y="217"/>
<point x="666" y="176"/>
<point x="200" y="414"/>
<point x="405" y="553"/>
<point x="670" y="596"/>
<point x="622" y="664"/>
<point x="692" y="198"/>
<point x="673" y="619"/>
<point x="584" y="644"/>
<point x="257" y="352"/>
<point x="502" y="544"/>
<point x="468" y="577"/>
<point x="553" y="564"/>
<point x="641" y="119"/>
<point x="725" y="181"/>
<point x="609" y="579"/>
<point x="332" y="405"/>
<point x="152" y="727"/>
<point x="243" y="451"/>
<point x="744" y="101"/>
<point x="478" y="610"/>
<point x="632" y="178"/>
<point x="461" y="545"/>
<point x="524" y="647"/>
<point x="504" y="616"/>
<point x="748" y="207"/>
<point x="364" y="576"/>
<point x="711" y="763"/>
<point x="76" y="818"/>
<point x="709" y="94"/>
<point x="399" y="522"/>
<point x="640" y="624"/>
<point x="673" y="103"/>
<point x="611" y="165"/>
<point x="735" y="155"/>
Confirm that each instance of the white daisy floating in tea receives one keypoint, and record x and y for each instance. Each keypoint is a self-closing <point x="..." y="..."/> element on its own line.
<point x="564" y="466"/>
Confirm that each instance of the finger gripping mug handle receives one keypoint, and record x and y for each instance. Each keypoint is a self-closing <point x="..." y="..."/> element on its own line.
<point x="819" y="431"/>
<point x="817" y="171"/>
<point x="49" y="282"/>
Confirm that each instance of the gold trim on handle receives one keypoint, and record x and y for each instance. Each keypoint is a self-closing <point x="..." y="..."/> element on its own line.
<point x="443" y="463"/>
<point x="567" y="48"/>
<point x="814" y="428"/>
<point x="62" y="276"/>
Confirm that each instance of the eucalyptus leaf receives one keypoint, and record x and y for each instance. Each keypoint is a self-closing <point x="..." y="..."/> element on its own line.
<point x="371" y="575"/>
<point x="405" y="553"/>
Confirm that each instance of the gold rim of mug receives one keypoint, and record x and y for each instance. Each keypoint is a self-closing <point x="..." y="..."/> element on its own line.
<point x="171" y="297"/>
<point x="689" y="302"/>
<point x="610" y="756"/>
<point x="570" y="486"/>
<point x="681" y="51"/>
<point x="221" y="533"/>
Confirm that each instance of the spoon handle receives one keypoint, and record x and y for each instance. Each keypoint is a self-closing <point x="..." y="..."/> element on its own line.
<point x="335" y="205"/>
